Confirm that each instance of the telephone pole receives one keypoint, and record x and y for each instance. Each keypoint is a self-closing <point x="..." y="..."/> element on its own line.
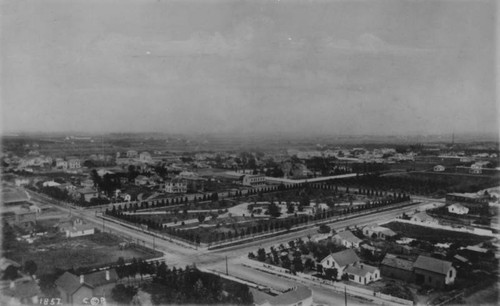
<point x="345" y="295"/>
<point x="227" y="273"/>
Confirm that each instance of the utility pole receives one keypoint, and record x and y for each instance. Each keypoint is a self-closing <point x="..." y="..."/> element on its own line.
<point x="227" y="273"/>
<point x="345" y="295"/>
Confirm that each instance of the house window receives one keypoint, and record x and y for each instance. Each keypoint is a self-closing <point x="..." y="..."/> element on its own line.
<point x="451" y="272"/>
<point x="429" y="279"/>
<point x="351" y="277"/>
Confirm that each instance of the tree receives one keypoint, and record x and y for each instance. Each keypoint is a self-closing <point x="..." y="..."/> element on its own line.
<point x="261" y="255"/>
<point x="331" y="273"/>
<point x="297" y="262"/>
<point x="201" y="218"/>
<point x="324" y="229"/>
<point x="123" y="294"/>
<point x="319" y="268"/>
<point x="274" y="210"/>
<point x="95" y="177"/>
<point x="10" y="273"/>
<point x="285" y="262"/>
<point x="214" y="197"/>
<point x="30" y="267"/>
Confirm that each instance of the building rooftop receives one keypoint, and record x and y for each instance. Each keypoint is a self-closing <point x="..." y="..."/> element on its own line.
<point x="396" y="262"/>
<point x="291" y="297"/>
<point x="12" y="195"/>
<point x="349" y="236"/>
<point x="344" y="258"/>
<point x="360" y="269"/>
<point x="70" y="282"/>
<point x="432" y="264"/>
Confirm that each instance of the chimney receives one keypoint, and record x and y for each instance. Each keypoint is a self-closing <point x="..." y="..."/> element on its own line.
<point x="12" y="285"/>
<point x="107" y="275"/>
<point x="82" y="279"/>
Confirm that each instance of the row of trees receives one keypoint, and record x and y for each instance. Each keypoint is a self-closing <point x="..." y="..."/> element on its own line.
<point x="262" y="226"/>
<point x="418" y="183"/>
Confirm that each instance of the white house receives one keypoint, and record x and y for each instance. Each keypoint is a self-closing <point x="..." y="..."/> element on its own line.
<point x="74" y="163"/>
<point x="61" y="163"/>
<point x="422" y="217"/>
<point x="176" y="186"/>
<point x="131" y="153"/>
<point x="340" y="261"/>
<point x="347" y="239"/>
<point x="21" y="182"/>
<point x="476" y="169"/>
<point x="379" y="232"/>
<point x="439" y="168"/>
<point x="145" y="156"/>
<point x="141" y="180"/>
<point x="75" y="227"/>
<point x="253" y="180"/>
<point x="50" y="184"/>
<point x="362" y="273"/>
<point x="126" y="197"/>
<point x="458" y="209"/>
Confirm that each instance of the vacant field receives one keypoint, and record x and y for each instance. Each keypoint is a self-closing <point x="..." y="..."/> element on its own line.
<point x="434" y="235"/>
<point x="66" y="253"/>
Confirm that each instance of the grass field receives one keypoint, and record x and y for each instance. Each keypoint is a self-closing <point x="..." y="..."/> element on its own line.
<point x="434" y="235"/>
<point x="66" y="253"/>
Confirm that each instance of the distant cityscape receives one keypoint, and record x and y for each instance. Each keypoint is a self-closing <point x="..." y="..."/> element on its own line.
<point x="119" y="218"/>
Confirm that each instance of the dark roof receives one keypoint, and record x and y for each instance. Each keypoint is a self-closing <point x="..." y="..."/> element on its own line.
<point x="432" y="264"/>
<point x="298" y="294"/>
<point x="70" y="282"/>
<point x="291" y="297"/>
<point x="10" y="195"/>
<point x="396" y="262"/>
<point x="344" y="258"/>
<point x="98" y="278"/>
<point x="87" y="191"/>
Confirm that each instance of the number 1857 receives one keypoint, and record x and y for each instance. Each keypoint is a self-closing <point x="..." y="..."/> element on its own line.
<point x="49" y="301"/>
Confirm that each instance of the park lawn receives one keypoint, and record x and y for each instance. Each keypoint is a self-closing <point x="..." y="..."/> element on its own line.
<point x="224" y="227"/>
<point x="434" y="235"/>
<point x="66" y="253"/>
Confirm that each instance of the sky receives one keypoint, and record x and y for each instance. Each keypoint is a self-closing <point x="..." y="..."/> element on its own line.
<point x="375" y="67"/>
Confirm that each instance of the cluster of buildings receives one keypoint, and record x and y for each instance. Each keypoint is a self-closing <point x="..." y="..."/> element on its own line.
<point x="16" y="287"/>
